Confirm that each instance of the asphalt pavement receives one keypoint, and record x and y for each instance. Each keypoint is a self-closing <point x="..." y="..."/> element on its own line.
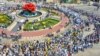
<point x="90" y="9"/>
<point x="17" y="26"/>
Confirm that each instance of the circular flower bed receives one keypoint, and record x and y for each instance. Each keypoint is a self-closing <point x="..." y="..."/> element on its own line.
<point x="29" y="7"/>
<point x="29" y="10"/>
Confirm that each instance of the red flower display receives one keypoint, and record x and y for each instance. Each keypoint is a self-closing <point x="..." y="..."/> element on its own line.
<point x="29" y="7"/>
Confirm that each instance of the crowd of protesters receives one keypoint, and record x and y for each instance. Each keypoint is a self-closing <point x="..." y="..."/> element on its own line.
<point x="55" y="46"/>
<point x="69" y="43"/>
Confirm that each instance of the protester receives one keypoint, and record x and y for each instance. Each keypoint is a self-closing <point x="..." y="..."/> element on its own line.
<point x="70" y="42"/>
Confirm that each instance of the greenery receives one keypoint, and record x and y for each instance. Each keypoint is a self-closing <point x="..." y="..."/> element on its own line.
<point x="54" y="13"/>
<point x="46" y="23"/>
<point x="45" y="9"/>
<point x="69" y="1"/>
<point x="5" y="20"/>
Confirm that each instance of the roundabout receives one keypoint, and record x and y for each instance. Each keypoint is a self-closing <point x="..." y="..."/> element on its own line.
<point x="45" y="32"/>
<point x="47" y="29"/>
<point x="36" y="23"/>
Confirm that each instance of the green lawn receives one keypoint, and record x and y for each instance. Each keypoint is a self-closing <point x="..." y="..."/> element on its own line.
<point x="52" y="12"/>
<point x="5" y="19"/>
<point x="48" y="22"/>
<point x="45" y="9"/>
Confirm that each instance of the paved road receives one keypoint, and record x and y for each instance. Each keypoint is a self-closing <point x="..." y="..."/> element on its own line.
<point x="15" y="29"/>
<point x="95" y="51"/>
<point x="89" y="9"/>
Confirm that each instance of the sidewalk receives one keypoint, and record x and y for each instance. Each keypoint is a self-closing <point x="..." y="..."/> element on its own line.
<point x="11" y="26"/>
<point x="86" y="33"/>
<point x="91" y="9"/>
<point x="95" y="51"/>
